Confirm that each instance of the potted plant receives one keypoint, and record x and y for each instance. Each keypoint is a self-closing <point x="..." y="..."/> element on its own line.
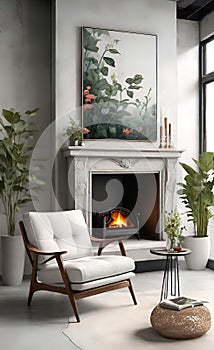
<point x="197" y="195"/>
<point x="174" y="230"/>
<point x="75" y="133"/>
<point x="15" y="136"/>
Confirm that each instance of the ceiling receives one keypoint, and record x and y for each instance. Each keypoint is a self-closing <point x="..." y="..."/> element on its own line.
<point x="194" y="10"/>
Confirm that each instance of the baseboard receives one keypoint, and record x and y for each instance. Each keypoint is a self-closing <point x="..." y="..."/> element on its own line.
<point x="149" y="265"/>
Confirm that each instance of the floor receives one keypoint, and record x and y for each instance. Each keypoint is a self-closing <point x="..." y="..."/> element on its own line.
<point x="40" y="326"/>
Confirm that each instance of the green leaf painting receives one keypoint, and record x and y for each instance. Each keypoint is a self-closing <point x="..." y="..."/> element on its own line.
<point x="119" y="85"/>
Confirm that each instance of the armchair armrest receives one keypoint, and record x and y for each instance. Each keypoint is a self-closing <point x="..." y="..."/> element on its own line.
<point x="37" y="252"/>
<point x="106" y="241"/>
<point x="41" y="252"/>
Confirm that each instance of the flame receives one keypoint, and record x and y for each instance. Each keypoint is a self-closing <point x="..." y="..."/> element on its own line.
<point x="119" y="220"/>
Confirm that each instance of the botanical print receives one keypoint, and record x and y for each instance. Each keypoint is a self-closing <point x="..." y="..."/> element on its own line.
<point x="119" y="85"/>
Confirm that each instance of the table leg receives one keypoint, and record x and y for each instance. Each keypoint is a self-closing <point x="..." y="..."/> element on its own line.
<point x="172" y="268"/>
<point x="164" y="288"/>
<point x="178" y="278"/>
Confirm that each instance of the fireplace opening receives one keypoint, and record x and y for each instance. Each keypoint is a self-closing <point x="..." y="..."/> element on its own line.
<point x="126" y="204"/>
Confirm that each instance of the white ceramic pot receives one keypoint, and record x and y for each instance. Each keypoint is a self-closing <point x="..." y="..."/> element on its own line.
<point x="200" y="247"/>
<point x="12" y="260"/>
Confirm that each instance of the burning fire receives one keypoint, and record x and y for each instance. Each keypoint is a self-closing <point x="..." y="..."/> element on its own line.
<point x="119" y="220"/>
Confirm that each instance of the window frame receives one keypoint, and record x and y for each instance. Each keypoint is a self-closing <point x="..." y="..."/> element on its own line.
<point x="203" y="81"/>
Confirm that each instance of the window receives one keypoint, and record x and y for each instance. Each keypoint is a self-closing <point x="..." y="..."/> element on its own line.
<point x="207" y="95"/>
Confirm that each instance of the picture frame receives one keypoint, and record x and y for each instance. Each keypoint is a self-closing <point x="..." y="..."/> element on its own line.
<point x="119" y="84"/>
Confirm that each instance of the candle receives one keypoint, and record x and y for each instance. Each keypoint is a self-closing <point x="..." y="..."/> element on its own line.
<point x="170" y="129"/>
<point x="161" y="132"/>
<point x="165" y="123"/>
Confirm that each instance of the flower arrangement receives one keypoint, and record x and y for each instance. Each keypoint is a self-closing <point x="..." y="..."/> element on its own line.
<point x="197" y="192"/>
<point x="75" y="132"/>
<point x="173" y="229"/>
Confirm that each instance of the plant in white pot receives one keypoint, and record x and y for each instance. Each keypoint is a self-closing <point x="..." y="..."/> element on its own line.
<point x="197" y="195"/>
<point x="15" y="150"/>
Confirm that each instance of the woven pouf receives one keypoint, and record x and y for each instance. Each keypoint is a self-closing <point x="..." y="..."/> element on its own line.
<point x="188" y="323"/>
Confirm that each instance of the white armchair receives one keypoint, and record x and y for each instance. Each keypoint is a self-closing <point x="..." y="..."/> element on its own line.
<point x="60" y="250"/>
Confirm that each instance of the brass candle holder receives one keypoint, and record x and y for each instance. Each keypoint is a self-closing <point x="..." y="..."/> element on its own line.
<point x="165" y="131"/>
<point x="170" y="136"/>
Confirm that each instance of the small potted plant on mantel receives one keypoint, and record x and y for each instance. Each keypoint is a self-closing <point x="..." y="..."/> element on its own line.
<point x="75" y="133"/>
<point x="15" y="136"/>
<point x="197" y="195"/>
<point x="174" y="230"/>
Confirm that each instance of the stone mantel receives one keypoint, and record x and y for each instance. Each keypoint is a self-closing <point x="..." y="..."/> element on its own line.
<point x="123" y="152"/>
<point x="106" y="158"/>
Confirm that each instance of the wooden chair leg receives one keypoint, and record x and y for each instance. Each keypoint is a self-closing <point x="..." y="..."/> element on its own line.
<point x="33" y="280"/>
<point x="68" y="288"/>
<point x="132" y="293"/>
<point x="30" y="296"/>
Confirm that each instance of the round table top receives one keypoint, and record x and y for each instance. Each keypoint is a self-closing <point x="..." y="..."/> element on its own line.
<point x="164" y="252"/>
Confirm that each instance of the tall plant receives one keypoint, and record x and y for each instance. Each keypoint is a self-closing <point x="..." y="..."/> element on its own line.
<point x="15" y="150"/>
<point x="197" y="192"/>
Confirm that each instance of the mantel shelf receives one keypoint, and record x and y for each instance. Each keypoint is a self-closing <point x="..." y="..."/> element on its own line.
<point x="109" y="151"/>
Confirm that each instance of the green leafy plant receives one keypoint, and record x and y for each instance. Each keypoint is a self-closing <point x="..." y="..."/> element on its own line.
<point x="15" y="138"/>
<point x="197" y="192"/>
<point x="173" y="228"/>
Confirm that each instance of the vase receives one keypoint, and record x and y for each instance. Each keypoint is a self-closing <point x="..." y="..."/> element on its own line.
<point x="173" y="244"/>
<point x="12" y="259"/>
<point x="200" y="247"/>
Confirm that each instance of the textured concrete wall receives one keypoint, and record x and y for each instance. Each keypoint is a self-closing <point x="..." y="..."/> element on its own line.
<point x="25" y="66"/>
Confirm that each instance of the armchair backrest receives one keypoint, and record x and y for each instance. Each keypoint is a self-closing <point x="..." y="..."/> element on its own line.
<point x="54" y="231"/>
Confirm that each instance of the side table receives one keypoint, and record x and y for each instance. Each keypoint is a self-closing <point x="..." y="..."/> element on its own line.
<point x="171" y="269"/>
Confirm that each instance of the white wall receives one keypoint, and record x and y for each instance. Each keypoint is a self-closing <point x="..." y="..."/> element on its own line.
<point x="188" y="89"/>
<point x="187" y="99"/>
<point x="147" y="16"/>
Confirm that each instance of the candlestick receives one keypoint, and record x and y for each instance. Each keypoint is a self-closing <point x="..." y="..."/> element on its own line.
<point x="170" y="136"/>
<point x="165" y="123"/>
<point x="161" y="137"/>
<point x="165" y="131"/>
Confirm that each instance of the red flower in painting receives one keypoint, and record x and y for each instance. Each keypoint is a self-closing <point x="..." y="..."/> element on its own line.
<point x="87" y="106"/>
<point x="91" y="97"/>
<point x="85" y="131"/>
<point x="127" y="131"/>
<point x="88" y="98"/>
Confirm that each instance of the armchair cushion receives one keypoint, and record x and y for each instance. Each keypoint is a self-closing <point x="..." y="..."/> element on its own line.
<point x="83" y="271"/>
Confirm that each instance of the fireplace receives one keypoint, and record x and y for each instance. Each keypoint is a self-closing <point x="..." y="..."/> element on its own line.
<point x="142" y="180"/>
<point x="135" y="198"/>
<point x="117" y="222"/>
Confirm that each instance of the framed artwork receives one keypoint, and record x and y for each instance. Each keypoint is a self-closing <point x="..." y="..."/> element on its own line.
<point x="119" y="84"/>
